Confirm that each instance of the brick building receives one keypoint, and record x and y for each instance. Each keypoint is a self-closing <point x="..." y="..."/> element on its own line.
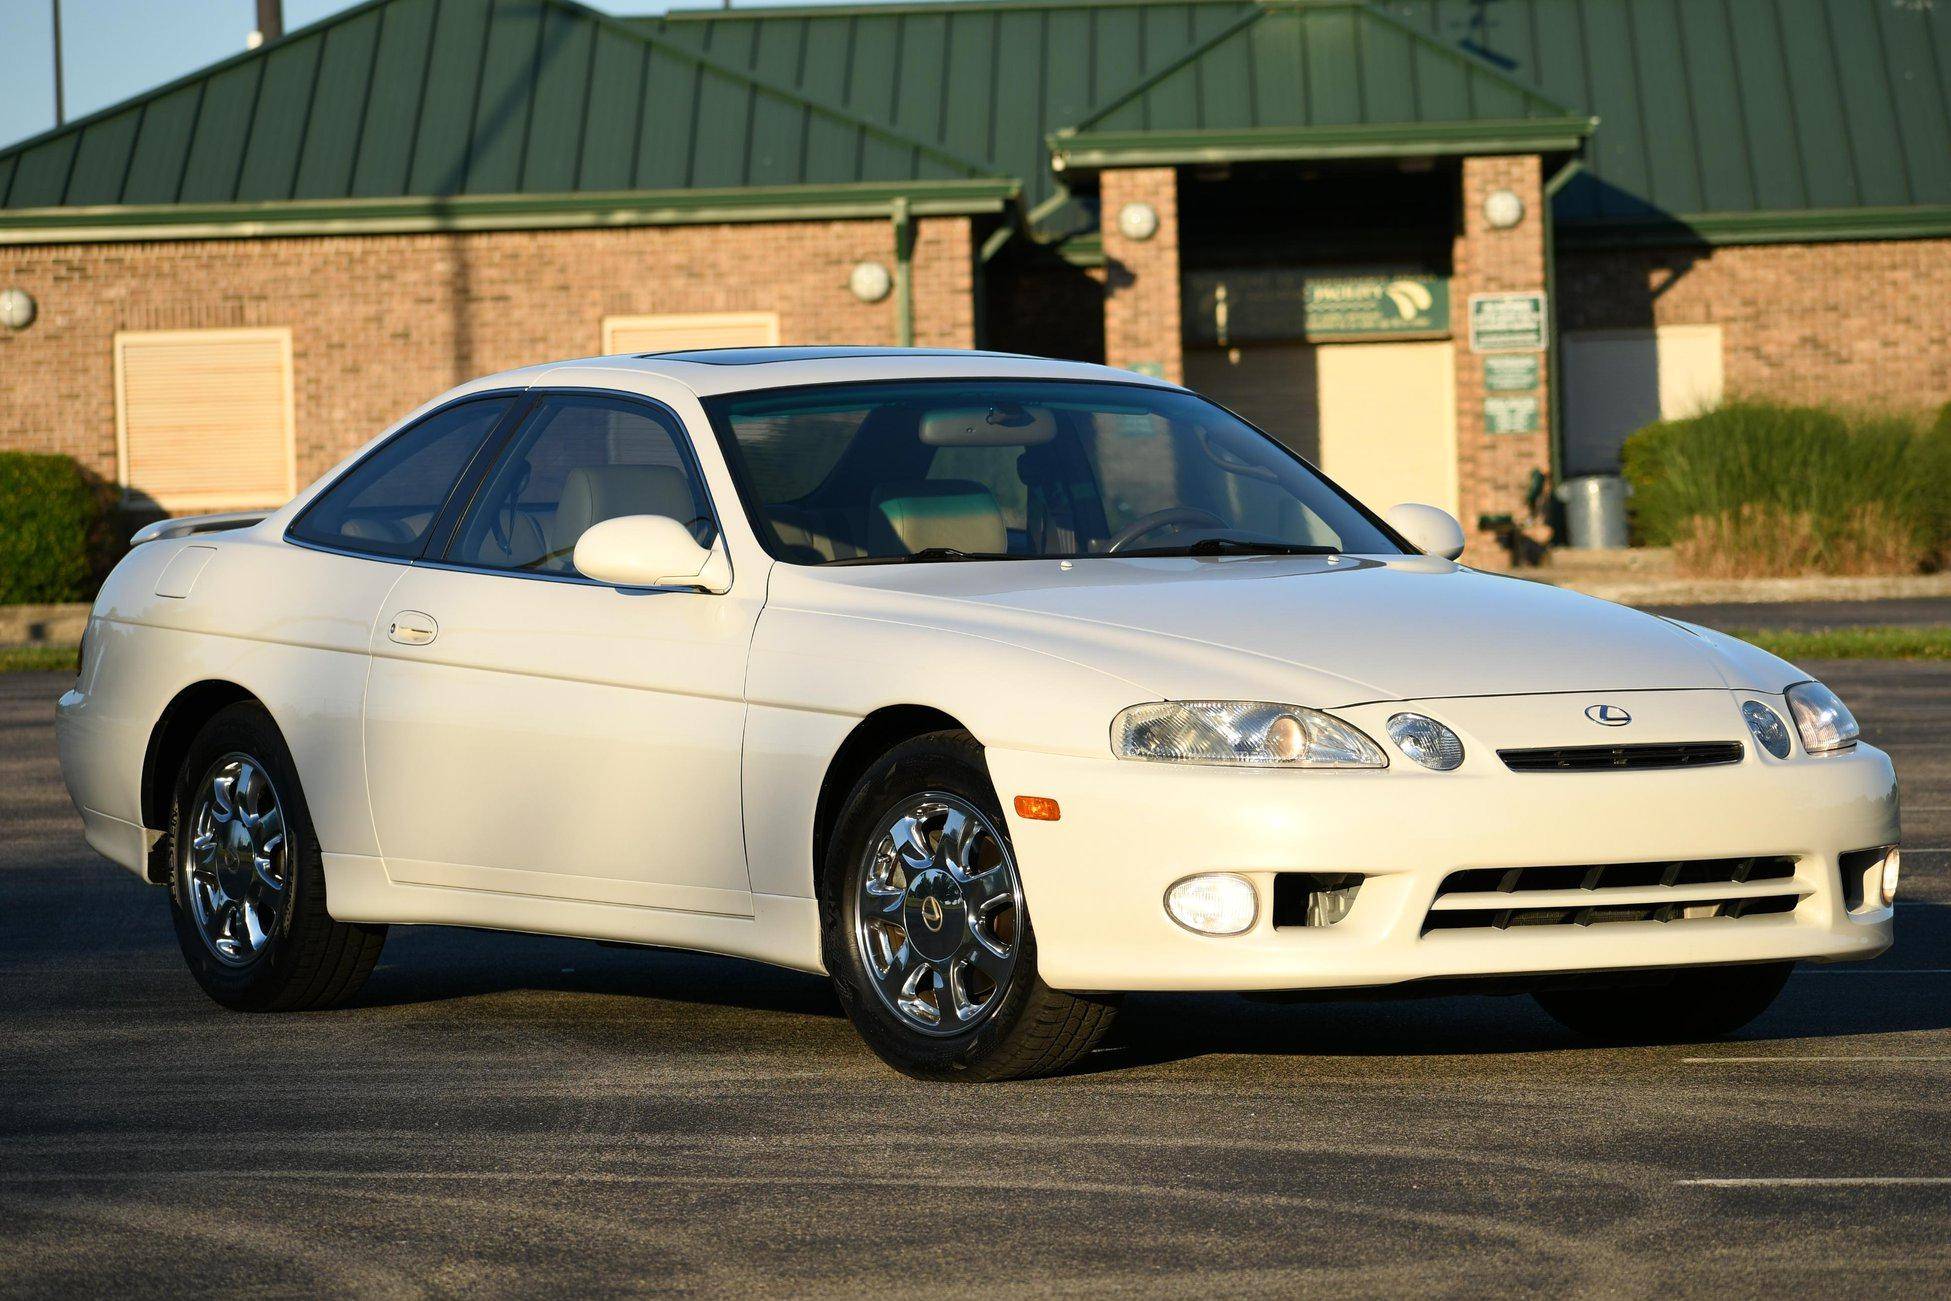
<point x="1444" y="247"/>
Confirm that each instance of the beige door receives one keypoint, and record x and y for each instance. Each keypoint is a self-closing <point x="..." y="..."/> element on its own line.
<point x="699" y="330"/>
<point x="1388" y="421"/>
<point x="1380" y="418"/>
<point x="1620" y="381"/>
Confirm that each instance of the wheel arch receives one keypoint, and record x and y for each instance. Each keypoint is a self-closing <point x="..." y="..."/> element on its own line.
<point x="169" y="740"/>
<point x="871" y="738"/>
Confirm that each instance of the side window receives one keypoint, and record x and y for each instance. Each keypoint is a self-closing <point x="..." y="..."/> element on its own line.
<point x="578" y="461"/>
<point x="386" y="503"/>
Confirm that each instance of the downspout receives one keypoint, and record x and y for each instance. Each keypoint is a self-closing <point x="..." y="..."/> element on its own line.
<point x="904" y="280"/>
<point x="1554" y="373"/>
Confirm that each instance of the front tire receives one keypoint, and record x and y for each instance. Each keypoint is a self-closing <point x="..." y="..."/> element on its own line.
<point x="925" y="931"/>
<point x="1690" y="1004"/>
<point x="247" y="887"/>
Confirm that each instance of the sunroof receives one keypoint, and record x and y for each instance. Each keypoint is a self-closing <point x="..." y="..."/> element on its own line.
<point x="760" y="356"/>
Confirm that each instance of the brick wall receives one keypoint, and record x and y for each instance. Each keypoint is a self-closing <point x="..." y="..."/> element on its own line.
<point x="1141" y="288"/>
<point x="1860" y="323"/>
<point x="1493" y="469"/>
<point x="380" y="323"/>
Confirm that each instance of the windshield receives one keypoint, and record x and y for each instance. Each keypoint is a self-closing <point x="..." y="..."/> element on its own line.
<point x="1018" y="469"/>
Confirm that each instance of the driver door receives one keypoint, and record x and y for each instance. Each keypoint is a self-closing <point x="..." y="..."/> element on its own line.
<point x="532" y="732"/>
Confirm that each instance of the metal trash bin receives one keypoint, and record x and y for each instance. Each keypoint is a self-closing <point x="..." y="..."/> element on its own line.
<point x="1595" y="510"/>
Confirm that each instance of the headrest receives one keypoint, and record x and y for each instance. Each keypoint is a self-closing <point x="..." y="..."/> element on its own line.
<point x="1002" y="425"/>
<point x="594" y="493"/>
<point x="957" y="513"/>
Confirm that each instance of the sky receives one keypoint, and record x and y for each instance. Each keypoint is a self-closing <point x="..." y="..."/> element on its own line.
<point x="112" y="49"/>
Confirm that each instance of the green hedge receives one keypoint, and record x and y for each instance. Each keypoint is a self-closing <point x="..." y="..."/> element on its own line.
<point x="49" y="519"/>
<point x="1760" y="488"/>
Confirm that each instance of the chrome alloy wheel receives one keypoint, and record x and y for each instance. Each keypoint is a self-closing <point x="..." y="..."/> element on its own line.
<point x="239" y="885"/>
<point x="938" y="914"/>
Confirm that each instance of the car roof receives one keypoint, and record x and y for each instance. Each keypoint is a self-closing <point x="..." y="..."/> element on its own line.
<point x="711" y="371"/>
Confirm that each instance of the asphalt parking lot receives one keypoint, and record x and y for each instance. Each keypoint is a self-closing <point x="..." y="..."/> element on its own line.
<point x="507" y="1114"/>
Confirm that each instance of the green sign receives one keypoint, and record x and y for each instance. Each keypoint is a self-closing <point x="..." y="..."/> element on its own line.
<point x="1511" y="372"/>
<point x="1512" y="415"/>
<point x="1260" y="304"/>
<point x="1507" y="322"/>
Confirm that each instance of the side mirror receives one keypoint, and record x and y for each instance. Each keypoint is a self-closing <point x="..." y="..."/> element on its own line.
<point x="1427" y="528"/>
<point x="651" y="551"/>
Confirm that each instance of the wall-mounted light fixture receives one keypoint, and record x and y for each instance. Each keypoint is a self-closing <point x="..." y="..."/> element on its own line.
<point x="1503" y="209"/>
<point x="17" y="308"/>
<point x="1138" y="221"/>
<point x="870" y="282"/>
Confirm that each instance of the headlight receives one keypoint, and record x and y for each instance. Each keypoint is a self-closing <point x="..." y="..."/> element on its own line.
<point x="1426" y="741"/>
<point x="1242" y="732"/>
<point x="1770" y="732"/>
<point x="1823" y="720"/>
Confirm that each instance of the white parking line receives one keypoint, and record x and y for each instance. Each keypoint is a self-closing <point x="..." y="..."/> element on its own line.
<point x="1843" y="1181"/>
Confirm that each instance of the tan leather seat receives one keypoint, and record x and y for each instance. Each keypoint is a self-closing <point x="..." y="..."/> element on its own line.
<point x="594" y="493"/>
<point x="959" y="513"/>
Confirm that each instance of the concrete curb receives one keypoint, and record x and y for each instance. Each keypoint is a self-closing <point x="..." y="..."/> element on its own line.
<point x="42" y="625"/>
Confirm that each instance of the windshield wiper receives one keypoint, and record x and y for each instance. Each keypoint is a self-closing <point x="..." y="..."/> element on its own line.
<point x="1237" y="547"/>
<point x="928" y="555"/>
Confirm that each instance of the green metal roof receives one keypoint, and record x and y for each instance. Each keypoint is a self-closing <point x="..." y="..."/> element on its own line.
<point x="988" y="81"/>
<point x="1743" y="119"/>
<point x="439" y="99"/>
<point x="1320" y="80"/>
<point x="1738" y="120"/>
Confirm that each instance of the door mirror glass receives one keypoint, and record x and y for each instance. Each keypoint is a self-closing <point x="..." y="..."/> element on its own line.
<point x="650" y="551"/>
<point x="1428" y="528"/>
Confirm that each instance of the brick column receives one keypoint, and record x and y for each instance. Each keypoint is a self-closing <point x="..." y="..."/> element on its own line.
<point x="1492" y="469"/>
<point x="1141" y="285"/>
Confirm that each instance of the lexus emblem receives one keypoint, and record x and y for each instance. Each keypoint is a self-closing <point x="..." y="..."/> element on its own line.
<point x="931" y="913"/>
<point x="1608" y="715"/>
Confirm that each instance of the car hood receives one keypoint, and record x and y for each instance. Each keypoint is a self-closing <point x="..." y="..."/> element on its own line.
<point x="1309" y="630"/>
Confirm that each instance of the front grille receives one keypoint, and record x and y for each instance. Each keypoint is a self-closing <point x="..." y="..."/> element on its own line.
<point x="1499" y="898"/>
<point x="1610" y="758"/>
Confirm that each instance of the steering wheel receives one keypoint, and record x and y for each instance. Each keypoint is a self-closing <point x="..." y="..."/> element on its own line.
<point x="1159" y="519"/>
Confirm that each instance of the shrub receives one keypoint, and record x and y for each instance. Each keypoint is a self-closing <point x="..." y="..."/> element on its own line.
<point x="1756" y="488"/>
<point x="49" y="517"/>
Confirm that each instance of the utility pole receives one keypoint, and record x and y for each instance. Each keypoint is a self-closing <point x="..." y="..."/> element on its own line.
<point x="60" y="102"/>
<point x="270" y="21"/>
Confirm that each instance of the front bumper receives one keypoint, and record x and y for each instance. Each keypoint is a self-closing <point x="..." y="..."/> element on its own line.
<point x="1094" y="882"/>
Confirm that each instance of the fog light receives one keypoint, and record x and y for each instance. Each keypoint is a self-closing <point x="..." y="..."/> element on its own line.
<point x="1890" y="869"/>
<point x="1214" y="903"/>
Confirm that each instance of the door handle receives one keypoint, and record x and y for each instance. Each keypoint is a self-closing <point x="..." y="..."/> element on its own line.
<point x="412" y="628"/>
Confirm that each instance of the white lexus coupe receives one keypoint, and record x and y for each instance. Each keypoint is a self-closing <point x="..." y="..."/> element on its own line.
<point x="992" y="687"/>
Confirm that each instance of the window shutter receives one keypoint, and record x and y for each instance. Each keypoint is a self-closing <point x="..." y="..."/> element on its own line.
<point x="204" y="419"/>
<point x="637" y="334"/>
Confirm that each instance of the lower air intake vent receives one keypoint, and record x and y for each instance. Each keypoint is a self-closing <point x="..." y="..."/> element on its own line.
<point x="1499" y="898"/>
<point x="1611" y="758"/>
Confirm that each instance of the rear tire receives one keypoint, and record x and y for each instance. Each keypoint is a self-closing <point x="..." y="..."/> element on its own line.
<point x="247" y="886"/>
<point x="1692" y="1003"/>
<point x="932" y="1006"/>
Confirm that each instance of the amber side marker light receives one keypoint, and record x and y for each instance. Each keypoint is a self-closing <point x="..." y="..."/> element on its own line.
<point x="1037" y="808"/>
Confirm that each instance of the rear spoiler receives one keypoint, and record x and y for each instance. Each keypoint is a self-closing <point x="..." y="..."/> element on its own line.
<point x="190" y="525"/>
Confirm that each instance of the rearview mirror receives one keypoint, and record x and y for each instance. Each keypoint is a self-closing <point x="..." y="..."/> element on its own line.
<point x="1428" y="528"/>
<point x="651" y="551"/>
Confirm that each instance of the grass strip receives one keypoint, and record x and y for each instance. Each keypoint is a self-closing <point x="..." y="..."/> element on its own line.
<point x="1918" y="643"/>
<point x="36" y="659"/>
